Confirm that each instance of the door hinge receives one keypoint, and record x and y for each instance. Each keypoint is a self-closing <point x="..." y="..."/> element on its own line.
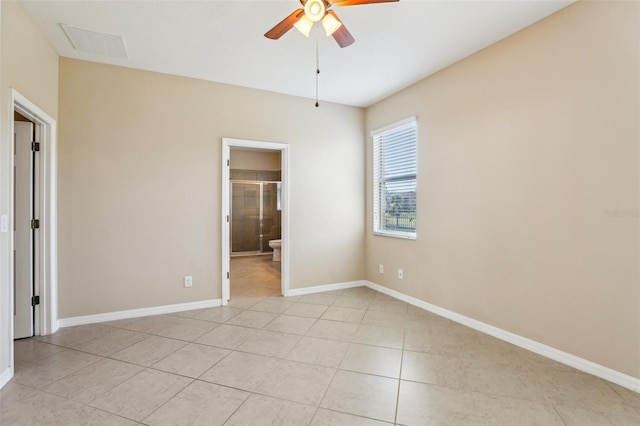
<point x="228" y="162"/>
<point x="35" y="224"/>
<point x="227" y="218"/>
<point x="35" y="300"/>
<point x="35" y="146"/>
<point x="227" y="275"/>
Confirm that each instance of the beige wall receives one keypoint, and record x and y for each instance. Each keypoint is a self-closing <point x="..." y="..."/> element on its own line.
<point x="29" y="65"/>
<point x="255" y="160"/>
<point x="139" y="185"/>
<point x="523" y="147"/>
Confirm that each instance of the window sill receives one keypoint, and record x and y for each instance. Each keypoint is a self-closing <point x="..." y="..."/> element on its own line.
<point x="401" y="235"/>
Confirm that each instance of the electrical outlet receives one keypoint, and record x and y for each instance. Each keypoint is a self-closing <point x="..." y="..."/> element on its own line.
<point x="381" y="268"/>
<point x="188" y="281"/>
<point x="400" y="274"/>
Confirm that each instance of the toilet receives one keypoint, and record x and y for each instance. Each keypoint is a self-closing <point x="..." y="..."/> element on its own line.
<point x="276" y="245"/>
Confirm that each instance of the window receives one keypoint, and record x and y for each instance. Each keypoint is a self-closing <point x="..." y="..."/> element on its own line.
<point x="394" y="179"/>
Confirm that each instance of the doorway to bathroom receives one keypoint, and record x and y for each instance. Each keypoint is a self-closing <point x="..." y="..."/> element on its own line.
<point x="255" y="229"/>
<point x="254" y="238"/>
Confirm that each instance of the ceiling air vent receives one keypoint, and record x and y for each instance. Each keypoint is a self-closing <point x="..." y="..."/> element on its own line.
<point x="93" y="42"/>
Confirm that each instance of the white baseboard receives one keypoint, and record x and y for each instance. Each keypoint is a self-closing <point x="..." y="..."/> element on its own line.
<point x="135" y="313"/>
<point x="326" y="287"/>
<point x="5" y="377"/>
<point x="578" y="363"/>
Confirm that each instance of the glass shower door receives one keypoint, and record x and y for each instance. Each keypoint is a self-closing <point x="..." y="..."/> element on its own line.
<point x="245" y="217"/>
<point x="270" y="214"/>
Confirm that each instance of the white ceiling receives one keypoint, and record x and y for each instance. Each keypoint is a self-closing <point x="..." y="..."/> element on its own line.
<point x="397" y="44"/>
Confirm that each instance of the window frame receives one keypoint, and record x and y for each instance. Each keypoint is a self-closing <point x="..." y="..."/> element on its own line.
<point x="378" y="214"/>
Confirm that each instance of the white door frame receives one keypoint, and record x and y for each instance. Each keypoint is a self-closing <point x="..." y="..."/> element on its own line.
<point x="227" y="144"/>
<point x="46" y="321"/>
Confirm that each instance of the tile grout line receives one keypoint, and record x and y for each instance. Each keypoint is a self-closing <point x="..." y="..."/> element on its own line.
<point x="86" y="404"/>
<point x="169" y="399"/>
<point x="335" y="372"/>
<point x="559" y="415"/>
<point x="404" y="333"/>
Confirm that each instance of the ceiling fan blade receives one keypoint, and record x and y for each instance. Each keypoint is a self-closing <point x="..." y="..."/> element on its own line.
<point x="358" y="2"/>
<point x="342" y="35"/>
<point x="284" y="26"/>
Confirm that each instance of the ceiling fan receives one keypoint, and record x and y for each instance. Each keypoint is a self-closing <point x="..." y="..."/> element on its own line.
<point x="318" y="10"/>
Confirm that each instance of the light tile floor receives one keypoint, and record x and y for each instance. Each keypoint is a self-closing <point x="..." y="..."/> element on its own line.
<point x="351" y="357"/>
<point x="253" y="276"/>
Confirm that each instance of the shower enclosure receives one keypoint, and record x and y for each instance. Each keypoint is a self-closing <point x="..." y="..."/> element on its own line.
<point x="255" y="216"/>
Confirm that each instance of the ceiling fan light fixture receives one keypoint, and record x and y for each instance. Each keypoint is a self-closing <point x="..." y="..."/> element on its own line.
<point x="314" y="10"/>
<point x="304" y="25"/>
<point x="330" y="24"/>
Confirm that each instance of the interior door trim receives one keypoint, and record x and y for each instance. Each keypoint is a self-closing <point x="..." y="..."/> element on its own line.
<point x="227" y="144"/>
<point x="47" y="319"/>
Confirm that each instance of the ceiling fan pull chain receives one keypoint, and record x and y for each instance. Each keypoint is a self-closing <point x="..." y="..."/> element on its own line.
<point x="317" y="69"/>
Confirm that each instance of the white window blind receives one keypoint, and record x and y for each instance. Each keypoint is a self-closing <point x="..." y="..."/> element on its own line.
<point x="394" y="179"/>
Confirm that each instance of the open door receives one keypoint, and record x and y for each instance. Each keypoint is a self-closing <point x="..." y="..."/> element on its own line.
<point x="25" y="228"/>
